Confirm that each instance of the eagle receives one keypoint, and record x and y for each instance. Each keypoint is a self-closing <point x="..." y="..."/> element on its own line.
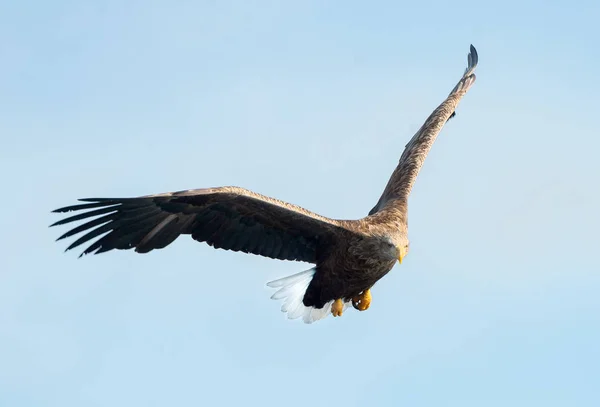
<point x="347" y="256"/>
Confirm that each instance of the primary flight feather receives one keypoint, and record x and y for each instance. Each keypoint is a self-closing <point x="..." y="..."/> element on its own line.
<point x="349" y="256"/>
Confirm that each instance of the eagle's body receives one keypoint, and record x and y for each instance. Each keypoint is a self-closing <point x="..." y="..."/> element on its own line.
<point x="349" y="256"/>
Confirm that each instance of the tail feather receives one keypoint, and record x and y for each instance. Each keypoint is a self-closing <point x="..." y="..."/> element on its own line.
<point x="291" y="290"/>
<point x="285" y="281"/>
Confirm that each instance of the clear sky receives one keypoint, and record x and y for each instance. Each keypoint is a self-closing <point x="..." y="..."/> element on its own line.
<point x="311" y="102"/>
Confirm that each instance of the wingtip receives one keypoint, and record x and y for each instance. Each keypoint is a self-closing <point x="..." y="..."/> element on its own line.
<point x="55" y="224"/>
<point x="474" y="57"/>
<point x="468" y="77"/>
<point x="71" y="248"/>
<point x="472" y="60"/>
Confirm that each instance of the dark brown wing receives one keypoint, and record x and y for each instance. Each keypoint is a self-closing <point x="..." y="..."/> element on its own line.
<point x="230" y="218"/>
<point x="415" y="152"/>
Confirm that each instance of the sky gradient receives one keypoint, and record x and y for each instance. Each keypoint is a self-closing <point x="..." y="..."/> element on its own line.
<point x="311" y="102"/>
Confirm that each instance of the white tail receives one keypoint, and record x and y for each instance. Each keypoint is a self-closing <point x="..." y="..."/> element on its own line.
<point x="291" y="291"/>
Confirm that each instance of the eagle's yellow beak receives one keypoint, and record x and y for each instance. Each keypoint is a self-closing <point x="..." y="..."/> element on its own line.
<point x="401" y="255"/>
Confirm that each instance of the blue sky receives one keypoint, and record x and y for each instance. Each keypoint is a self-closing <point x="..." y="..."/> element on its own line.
<point x="312" y="102"/>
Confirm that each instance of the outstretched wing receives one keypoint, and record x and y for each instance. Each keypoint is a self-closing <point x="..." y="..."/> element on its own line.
<point x="230" y="218"/>
<point x="405" y="174"/>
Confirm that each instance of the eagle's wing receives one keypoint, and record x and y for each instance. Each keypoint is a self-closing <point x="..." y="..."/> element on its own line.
<point x="230" y="218"/>
<point x="403" y="177"/>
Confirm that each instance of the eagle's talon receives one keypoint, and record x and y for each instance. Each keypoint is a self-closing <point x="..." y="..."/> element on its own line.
<point x="362" y="301"/>
<point x="337" y="308"/>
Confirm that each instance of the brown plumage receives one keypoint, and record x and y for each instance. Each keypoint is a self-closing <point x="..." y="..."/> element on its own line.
<point x="350" y="256"/>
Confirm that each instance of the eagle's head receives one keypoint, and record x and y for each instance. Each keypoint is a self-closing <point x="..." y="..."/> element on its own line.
<point x="396" y="248"/>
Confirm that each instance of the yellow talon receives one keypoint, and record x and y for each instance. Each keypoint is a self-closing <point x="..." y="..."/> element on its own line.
<point x="337" y="308"/>
<point x="362" y="301"/>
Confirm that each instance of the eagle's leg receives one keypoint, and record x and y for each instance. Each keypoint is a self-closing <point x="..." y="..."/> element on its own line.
<point x="362" y="301"/>
<point x="337" y="307"/>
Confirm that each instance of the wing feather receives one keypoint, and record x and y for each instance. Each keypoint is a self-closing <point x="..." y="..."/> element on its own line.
<point x="230" y="218"/>
<point x="403" y="178"/>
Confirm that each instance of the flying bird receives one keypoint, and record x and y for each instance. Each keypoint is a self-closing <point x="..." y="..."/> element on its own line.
<point x="348" y="256"/>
